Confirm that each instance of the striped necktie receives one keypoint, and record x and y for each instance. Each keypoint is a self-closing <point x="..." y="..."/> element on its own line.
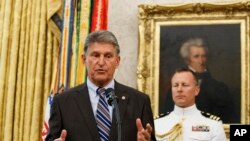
<point x="102" y="116"/>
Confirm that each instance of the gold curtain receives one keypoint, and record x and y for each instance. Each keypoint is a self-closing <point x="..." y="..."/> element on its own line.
<point x="28" y="50"/>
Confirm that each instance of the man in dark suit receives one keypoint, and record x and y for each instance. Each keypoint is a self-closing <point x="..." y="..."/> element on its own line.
<point x="74" y="112"/>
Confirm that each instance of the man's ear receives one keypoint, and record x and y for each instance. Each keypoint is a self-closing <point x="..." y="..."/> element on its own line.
<point x="197" y="90"/>
<point x="83" y="57"/>
<point x="118" y="61"/>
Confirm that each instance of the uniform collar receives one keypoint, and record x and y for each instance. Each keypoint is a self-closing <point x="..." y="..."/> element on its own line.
<point x="185" y="111"/>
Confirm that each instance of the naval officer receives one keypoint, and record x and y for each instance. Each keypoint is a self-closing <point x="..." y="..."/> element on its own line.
<point x="186" y="122"/>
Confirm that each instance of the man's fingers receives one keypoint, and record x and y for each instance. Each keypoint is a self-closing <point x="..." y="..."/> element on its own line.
<point x="139" y="124"/>
<point x="149" y="128"/>
<point x="143" y="134"/>
<point x="147" y="132"/>
<point x="63" y="135"/>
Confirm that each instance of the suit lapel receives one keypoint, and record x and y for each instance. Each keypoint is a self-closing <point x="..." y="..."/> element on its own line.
<point x="123" y="98"/>
<point x="83" y="101"/>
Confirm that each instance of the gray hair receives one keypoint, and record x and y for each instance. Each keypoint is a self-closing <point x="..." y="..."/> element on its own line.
<point x="193" y="42"/>
<point x="101" y="36"/>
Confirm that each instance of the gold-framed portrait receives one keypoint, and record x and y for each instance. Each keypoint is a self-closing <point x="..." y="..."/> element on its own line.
<point x="226" y="30"/>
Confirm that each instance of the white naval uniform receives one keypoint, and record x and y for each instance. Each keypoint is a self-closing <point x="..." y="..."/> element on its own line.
<point x="196" y="127"/>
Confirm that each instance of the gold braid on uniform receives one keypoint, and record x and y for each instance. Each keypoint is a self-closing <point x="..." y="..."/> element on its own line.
<point x="174" y="133"/>
<point x="208" y="115"/>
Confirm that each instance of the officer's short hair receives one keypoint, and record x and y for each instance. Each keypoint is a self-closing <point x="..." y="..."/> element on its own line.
<point x="180" y="70"/>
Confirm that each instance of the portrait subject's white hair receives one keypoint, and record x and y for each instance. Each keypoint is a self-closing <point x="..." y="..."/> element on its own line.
<point x="193" y="42"/>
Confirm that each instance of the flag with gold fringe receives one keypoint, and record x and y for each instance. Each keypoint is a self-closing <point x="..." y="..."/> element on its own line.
<point x="71" y="21"/>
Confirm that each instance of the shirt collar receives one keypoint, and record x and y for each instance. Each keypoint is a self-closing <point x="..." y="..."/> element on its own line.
<point x="191" y="68"/>
<point x="93" y="87"/>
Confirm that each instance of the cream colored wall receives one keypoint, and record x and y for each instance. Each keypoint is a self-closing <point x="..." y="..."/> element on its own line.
<point x="123" y="22"/>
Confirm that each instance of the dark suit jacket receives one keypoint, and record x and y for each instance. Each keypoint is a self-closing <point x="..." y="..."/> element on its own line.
<point x="72" y="111"/>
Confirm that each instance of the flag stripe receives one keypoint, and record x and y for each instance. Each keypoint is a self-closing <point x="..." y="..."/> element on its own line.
<point x="99" y="16"/>
<point x="65" y="53"/>
<point x="78" y="74"/>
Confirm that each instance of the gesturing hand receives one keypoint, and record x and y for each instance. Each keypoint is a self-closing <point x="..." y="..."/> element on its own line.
<point x="143" y="134"/>
<point x="62" y="136"/>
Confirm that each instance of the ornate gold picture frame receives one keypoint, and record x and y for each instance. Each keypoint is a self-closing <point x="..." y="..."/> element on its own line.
<point x="225" y="26"/>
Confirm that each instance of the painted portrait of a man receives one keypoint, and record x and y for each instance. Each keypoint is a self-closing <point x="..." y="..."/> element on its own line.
<point x="213" y="52"/>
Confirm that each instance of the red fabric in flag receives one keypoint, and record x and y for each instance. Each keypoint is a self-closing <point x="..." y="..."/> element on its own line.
<point x="45" y="122"/>
<point x="99" y="15"/>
